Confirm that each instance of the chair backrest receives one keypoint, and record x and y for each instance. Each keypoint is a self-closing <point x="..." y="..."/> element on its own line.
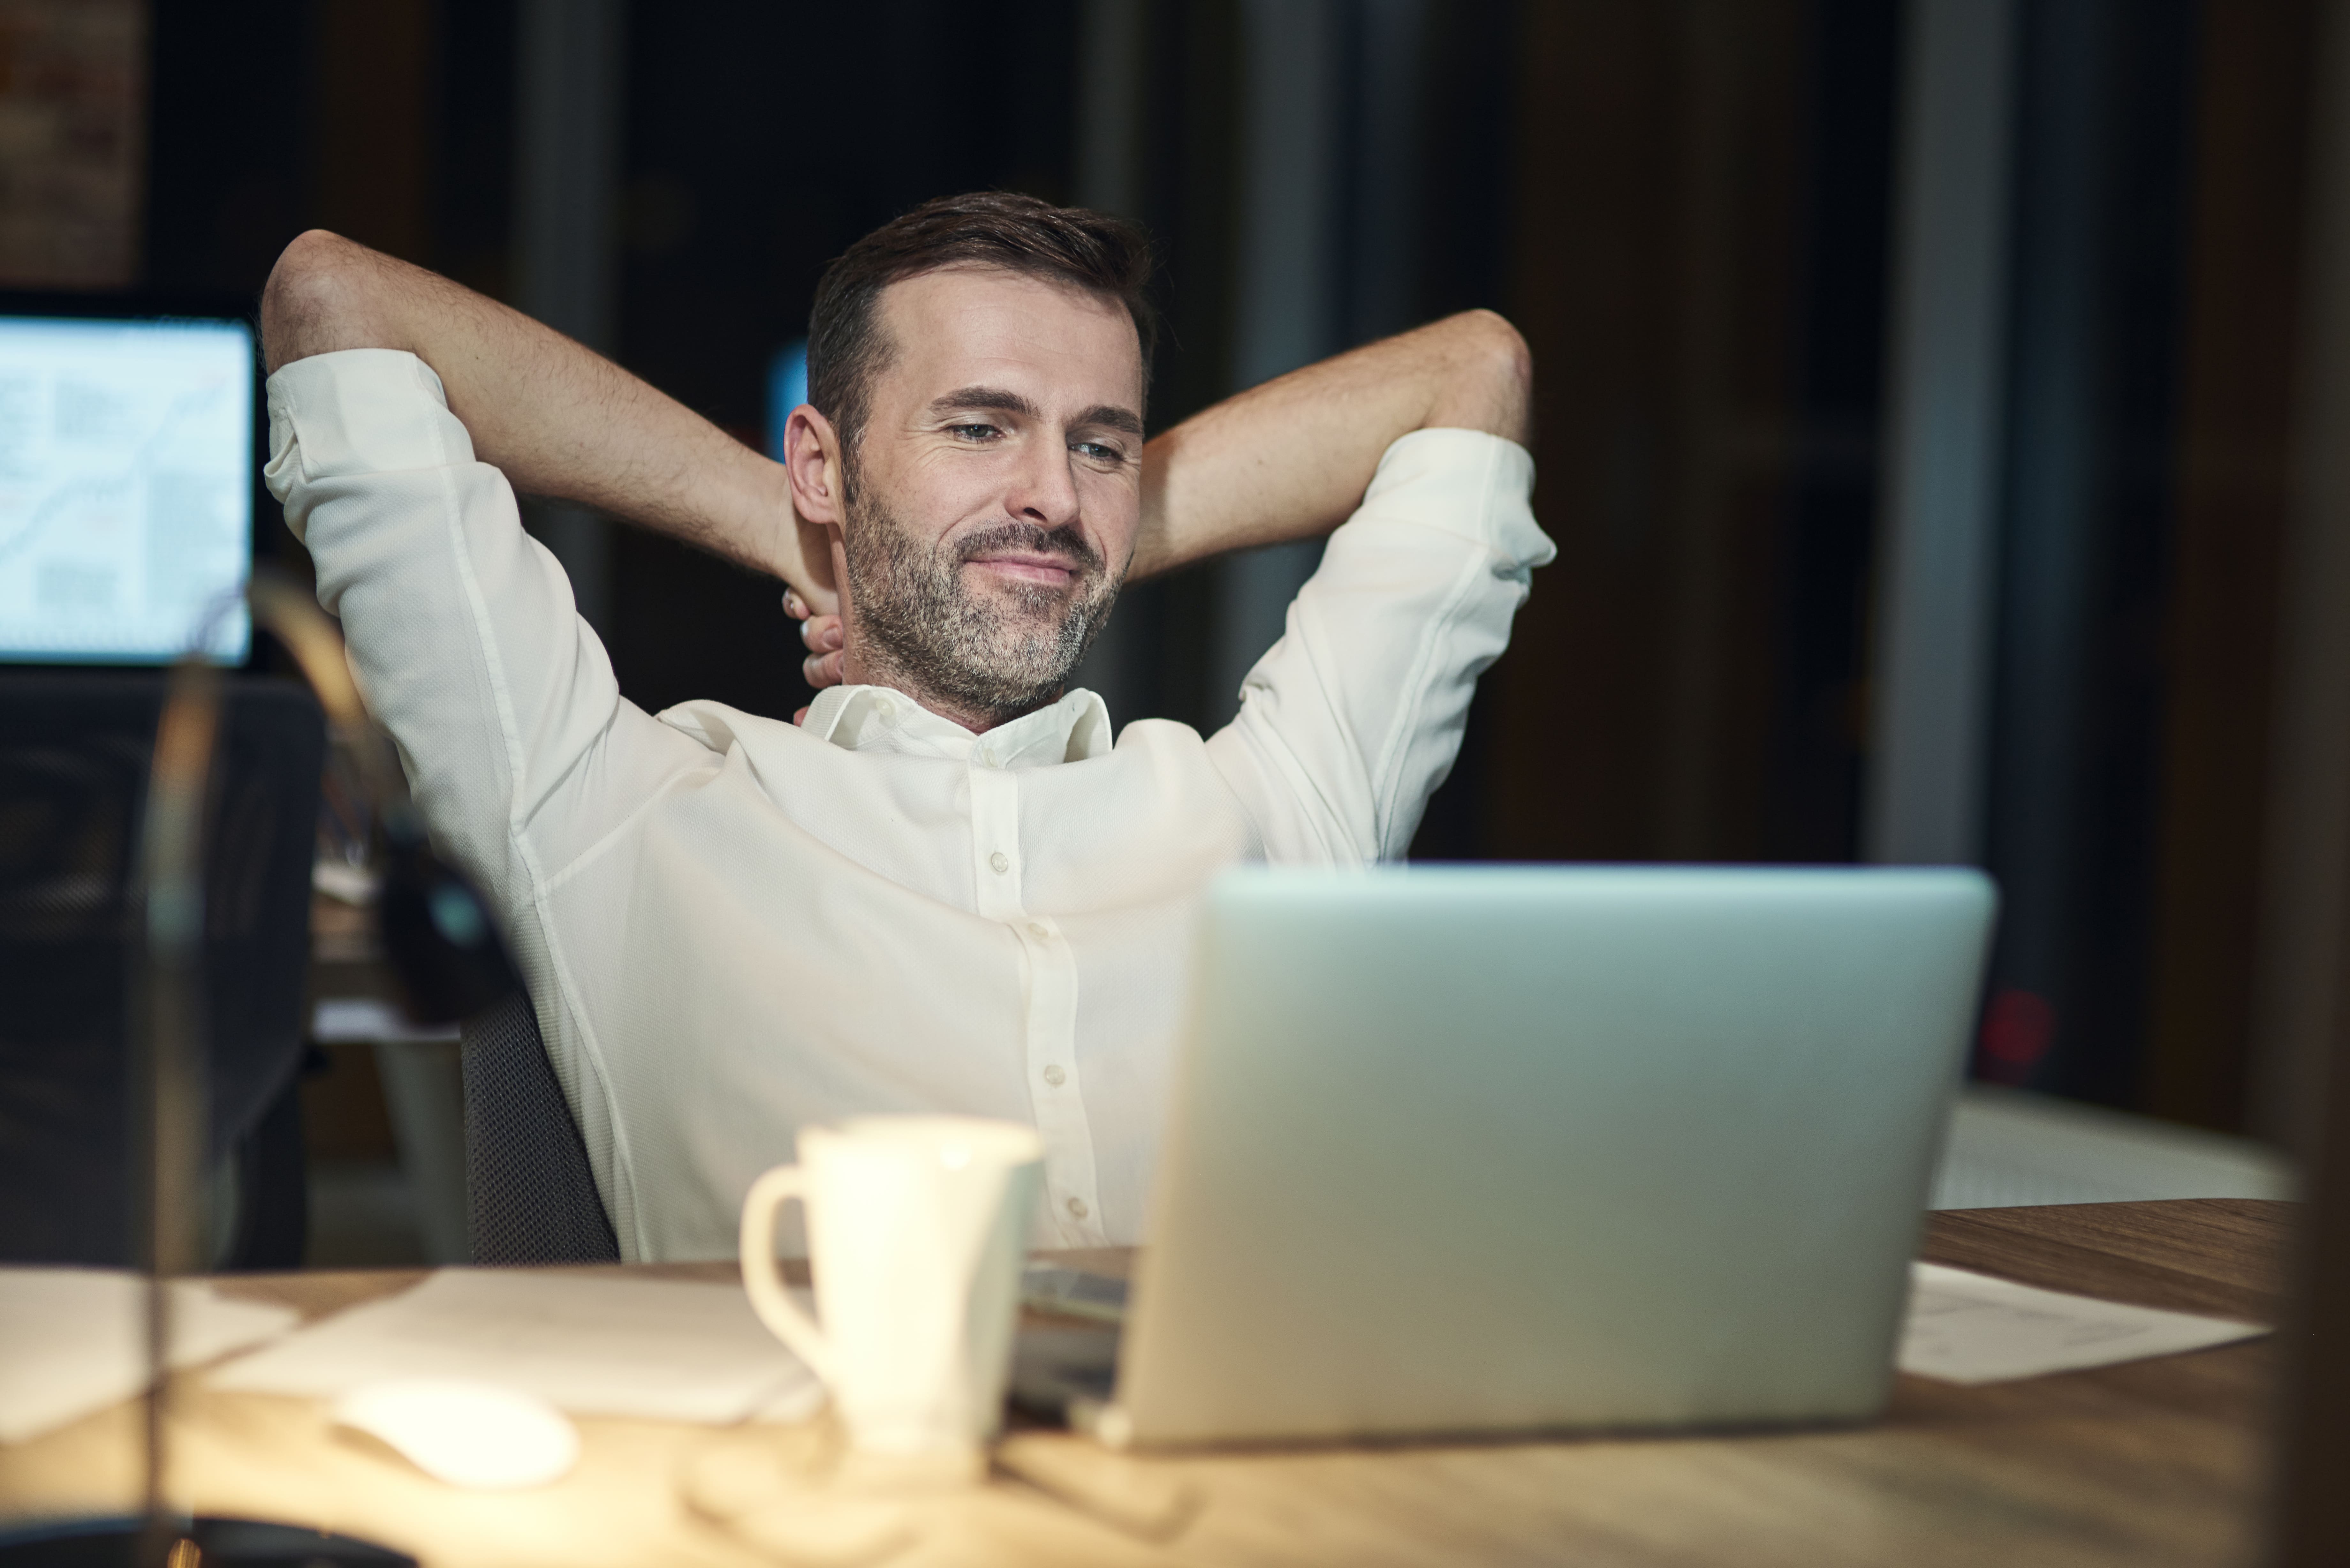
<point x="530" y="1192"/>
<point x="74" y="752"/>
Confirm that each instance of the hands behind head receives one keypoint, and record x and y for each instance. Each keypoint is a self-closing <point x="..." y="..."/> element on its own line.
<point x="823" y="637"/>
<point x="812" y="598"/>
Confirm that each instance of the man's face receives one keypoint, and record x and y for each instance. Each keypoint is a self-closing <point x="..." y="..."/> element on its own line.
<point x="993" y="499"/>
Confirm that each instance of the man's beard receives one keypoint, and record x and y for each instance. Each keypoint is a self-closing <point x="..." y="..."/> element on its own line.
<point x="993" y="656"/>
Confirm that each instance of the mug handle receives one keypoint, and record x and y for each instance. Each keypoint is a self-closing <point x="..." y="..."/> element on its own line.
<point x="763" y="1281"/>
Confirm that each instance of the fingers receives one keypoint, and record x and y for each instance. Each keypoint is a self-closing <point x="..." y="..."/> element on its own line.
<point x="826" y="608"/>
<point x="819" y="630"/>
<point x="823" y="635"/>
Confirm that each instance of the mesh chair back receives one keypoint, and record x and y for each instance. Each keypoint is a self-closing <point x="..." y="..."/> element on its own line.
<point x="530" y="1192"/>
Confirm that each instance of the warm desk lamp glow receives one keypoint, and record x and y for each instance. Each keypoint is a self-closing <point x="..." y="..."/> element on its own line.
<point x="444" y="949"/>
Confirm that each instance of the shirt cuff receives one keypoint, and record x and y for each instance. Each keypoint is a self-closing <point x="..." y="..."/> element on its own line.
<point x="359" y="411"/>
<point x="1470" y="484"/>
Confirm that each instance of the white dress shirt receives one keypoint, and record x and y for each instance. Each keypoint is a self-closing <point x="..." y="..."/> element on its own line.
<point x="733" y="926"/>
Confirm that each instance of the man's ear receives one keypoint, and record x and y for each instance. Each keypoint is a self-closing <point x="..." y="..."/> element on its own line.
<point x="812" y="456"/>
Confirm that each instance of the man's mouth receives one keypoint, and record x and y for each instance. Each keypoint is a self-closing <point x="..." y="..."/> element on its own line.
<point x="1037" y="566"/>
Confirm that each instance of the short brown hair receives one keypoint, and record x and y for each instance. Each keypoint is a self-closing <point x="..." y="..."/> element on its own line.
<point x="1002" y="229"/>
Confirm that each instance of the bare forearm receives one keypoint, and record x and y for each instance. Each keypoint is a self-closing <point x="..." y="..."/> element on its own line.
<point x="558" y="420"/>
<point x="1290" y="459"/>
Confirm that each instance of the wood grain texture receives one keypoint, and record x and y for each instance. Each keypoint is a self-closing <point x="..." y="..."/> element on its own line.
<point x="2157" y="1462"/>
<point x="2224" y="1256"/>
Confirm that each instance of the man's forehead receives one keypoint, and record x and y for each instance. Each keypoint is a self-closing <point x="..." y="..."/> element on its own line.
<point x="1061" y="345"/>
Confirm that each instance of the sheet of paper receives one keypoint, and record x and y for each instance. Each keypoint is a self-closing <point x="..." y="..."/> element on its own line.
<point x="1966" y="1327"/>
<point x="664" y="1349"/>
<point x="74" y="1341"/>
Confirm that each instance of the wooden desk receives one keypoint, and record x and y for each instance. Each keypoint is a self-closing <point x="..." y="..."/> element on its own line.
<point x="2156" y="1462"/>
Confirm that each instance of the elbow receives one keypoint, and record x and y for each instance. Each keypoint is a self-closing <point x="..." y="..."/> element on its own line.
<point x="315" y="300"/>
<point x="1498" y="347"/>
<point x="1488" y="383"/>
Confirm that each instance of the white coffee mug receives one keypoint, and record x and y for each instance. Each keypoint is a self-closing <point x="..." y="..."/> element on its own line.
<point x="917" y="1228"/>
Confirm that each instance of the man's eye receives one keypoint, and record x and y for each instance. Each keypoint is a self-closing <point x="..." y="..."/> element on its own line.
<point x="1099" y="452"/>
<point x="973" y="433"/>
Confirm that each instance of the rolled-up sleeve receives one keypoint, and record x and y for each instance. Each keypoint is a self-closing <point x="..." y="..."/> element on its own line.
<point x="460" y="627"/>
<point x="1351" y="721"/>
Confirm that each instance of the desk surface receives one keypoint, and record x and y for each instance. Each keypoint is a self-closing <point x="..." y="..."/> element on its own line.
<point x="2156" y="1462"/>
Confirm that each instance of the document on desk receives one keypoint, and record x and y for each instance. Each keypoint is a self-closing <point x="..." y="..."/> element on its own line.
<point x="74" y="1341"/>
<point x="1965" y="1327"/>
<point x="664" y="1349"/>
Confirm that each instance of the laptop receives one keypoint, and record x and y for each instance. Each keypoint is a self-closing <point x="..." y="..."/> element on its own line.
<point x="1461" y="1150"/>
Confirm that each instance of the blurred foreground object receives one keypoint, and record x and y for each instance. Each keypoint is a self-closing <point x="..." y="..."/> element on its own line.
<point x="444" y="947"/>
<point x="74" y="756"/>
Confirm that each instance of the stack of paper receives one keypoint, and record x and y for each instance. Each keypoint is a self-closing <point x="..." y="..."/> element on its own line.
<point x="74" y="1341"/>
<point x="1966" y="1327"/>
<point x="664" y="1349"/>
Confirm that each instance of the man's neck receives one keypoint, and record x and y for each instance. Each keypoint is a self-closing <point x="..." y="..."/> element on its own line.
<point x="859" y="667"/>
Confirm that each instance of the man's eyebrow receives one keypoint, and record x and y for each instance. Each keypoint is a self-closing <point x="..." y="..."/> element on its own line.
<point x="994" y="398"/>
<point x="1109" y="415"/>
<point x="1112" y="417"/>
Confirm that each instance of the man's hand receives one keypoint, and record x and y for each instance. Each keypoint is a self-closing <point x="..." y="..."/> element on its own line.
<point x="559" y="420"/>
<point x="823" y="637"/>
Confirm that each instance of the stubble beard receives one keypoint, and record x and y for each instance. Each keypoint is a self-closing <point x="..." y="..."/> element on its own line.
<point x="992" y="656"/>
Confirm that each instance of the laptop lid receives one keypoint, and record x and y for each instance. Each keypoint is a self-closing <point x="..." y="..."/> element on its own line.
<point x="1465" y="1149"/>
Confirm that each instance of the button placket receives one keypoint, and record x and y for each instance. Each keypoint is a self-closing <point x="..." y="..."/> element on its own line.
<point x="996" y="843"/>
<point x="1073" y="1202"/>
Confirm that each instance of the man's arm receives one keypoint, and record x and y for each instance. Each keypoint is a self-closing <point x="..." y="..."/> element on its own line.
<point x="1350" y="721"/>
<point x="559" y="420"/>
<point x="1290" y="459"/>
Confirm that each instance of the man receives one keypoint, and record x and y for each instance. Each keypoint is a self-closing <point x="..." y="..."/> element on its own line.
<point x="947" y="891"/>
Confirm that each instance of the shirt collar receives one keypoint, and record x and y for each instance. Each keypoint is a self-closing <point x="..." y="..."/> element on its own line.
<point x="875" y="718"/>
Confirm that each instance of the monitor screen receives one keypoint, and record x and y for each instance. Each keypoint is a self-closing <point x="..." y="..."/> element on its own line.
<point x="127" y="475"/>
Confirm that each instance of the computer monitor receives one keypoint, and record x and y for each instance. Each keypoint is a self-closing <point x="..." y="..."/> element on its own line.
<point x="127" y="462"/>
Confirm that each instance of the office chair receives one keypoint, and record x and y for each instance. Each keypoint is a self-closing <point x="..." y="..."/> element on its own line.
<point x="74" y="753"/>
<point x="530" y="1192"/>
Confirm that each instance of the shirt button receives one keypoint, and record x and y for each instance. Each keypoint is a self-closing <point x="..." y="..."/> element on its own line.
<point x="1001" y="861"/>
<point x="1039" y="931"/>
<point x="1055" y="1076"/>
<point x="1077" y="1207"/>
<point x="886" y="708"/>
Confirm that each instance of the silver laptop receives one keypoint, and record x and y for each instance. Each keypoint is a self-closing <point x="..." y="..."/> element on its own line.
<point x="1480" y="1149"/>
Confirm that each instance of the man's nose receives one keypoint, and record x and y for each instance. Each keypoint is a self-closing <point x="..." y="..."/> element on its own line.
<point x="1043" y="491"/>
